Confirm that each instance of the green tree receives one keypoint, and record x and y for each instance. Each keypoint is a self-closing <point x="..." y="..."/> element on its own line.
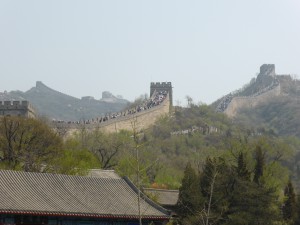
<point x="190" y="199"/>
<point x="230" y="196"/>
<point x="242" y="169"/>
<point x="289" y="209"/>
<point x="251" y="204"/>
<point x="74" y="160"/>
<point x="27" y="144"/>
<point x="259" y="164"/>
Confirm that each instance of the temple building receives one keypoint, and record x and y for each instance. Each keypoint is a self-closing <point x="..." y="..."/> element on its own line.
<point x="56" y="199"/>
<point x="166" y="198"/>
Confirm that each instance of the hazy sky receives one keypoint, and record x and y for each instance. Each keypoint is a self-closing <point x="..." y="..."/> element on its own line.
<point x="206" y="48"/>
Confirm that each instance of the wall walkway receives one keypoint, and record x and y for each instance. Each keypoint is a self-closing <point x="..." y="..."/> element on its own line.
<point x="141" y="120"/>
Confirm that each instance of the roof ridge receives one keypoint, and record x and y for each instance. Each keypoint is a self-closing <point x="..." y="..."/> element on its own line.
<point x="161" y="189"/>
<point x="146" y="198"/>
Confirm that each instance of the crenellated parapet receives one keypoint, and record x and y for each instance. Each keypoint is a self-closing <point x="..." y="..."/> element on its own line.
<point x="162" y="86"/>
<point x="17" y="108"/>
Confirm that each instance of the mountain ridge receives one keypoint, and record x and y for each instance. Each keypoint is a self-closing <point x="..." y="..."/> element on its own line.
<point x="60" y="106"/>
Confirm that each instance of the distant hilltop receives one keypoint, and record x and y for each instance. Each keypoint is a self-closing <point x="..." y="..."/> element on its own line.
<point x="109" y="97"/>
<point x="106" y="95"/>
<point x="59" y="106"/>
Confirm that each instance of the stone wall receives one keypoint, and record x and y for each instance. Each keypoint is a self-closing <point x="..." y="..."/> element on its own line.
<point x="238" y="103"/>
<point x="141" y="120"/>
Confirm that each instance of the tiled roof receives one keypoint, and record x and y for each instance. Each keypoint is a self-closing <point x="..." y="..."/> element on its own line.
<point x="163" y="196"/>
<point x="56" y="194"/>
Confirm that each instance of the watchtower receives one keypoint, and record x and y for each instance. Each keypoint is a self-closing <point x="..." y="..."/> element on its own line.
<point x="17" y="108"/>
<point x="267" y="69"/>
<point x="162" y="86"/>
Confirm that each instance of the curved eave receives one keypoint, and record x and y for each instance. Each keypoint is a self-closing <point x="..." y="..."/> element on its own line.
<point x="85" y="215"/>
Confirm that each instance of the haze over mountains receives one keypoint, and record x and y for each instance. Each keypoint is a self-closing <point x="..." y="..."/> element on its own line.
<point x="59" y="106"/>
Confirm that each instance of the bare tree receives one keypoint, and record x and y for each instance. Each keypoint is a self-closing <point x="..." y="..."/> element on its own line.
<point x="189" y="100"/>
<point x="137" y="146"/>
<point x="142" y="164"/>
<point x="107" y="147"/>
<point x="205" y="213"/>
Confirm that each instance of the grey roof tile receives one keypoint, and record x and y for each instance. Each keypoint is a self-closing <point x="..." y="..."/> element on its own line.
<point x="163" y="196"/>
<point x="63" y="194"/>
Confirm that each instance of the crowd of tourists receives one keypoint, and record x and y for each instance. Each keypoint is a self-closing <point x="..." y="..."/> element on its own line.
<point x="224" y="103"/>
<point x="157" y="98"/>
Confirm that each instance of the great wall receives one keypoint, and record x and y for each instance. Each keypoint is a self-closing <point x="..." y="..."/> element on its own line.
<point x="139" y="121"/>
<point x="238" y="103"/>
<point x="266" y="87"/>
<point x="138" y="118"/>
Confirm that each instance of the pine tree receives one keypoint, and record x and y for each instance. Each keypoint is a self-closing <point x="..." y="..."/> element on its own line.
<point x="250" y="202"/>
<point x="259" y="166"/>
<point x="289" y="209"/>
<point x="242" y="170"/>
<point x="189" y="201"/>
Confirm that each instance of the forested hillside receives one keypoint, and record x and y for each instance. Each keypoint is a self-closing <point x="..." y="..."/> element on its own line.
<point x="195" y="136"/>
<point x="188" y="135"/>
<point x="280" y="116"/>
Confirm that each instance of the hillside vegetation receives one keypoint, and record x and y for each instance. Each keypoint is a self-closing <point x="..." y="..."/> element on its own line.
<point x="280" y="114"/>
<point x="196" y="136"/>
<point x="240" y="170"/>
